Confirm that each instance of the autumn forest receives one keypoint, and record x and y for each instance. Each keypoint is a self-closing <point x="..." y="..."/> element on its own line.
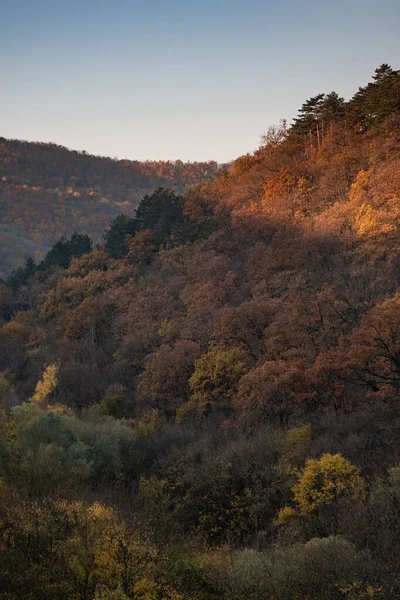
<point x="200" y="366"/>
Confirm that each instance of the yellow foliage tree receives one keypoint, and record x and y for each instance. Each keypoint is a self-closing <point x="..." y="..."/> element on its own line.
<point x="46" y="385"/>
<point x="106" y="557"/>
<point x="214" y="381"/>
<point x="323" y="483"/>
<point x="326" y="480"/>
<point x="359" y="187"/>
<point x="366" y="220"/>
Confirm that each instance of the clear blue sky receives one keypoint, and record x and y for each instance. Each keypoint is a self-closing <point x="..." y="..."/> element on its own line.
<point x="167" y="79"/>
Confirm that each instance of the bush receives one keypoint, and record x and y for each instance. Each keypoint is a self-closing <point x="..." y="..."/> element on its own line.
<point x="313" y="571"/>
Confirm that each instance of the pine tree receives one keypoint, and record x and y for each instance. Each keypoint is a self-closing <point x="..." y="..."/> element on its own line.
<point x="376" y="101"/>
<point x="309" y="114"/>
<point x="115" y="236"/>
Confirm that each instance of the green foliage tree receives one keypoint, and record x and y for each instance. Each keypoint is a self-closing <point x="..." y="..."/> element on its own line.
<point x="316" y="114"/>
<point x="374" y="102"/>
<point x="21" y="276"/>
<point x="309" y="113"/>
<point x="214" y="381"/>
<point x="115" y="237"/>
<point x="160" y="212"/>
<point x="61" y="254"/>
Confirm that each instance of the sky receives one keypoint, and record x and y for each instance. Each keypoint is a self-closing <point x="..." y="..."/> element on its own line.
<point x="178" y="79"/>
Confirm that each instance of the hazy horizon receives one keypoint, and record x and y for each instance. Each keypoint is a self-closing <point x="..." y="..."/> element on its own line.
<point x="180" y="81"/>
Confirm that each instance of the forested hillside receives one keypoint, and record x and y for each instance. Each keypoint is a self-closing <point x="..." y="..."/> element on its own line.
<point x="47" y="191"/>
<point x="207" y="406"/>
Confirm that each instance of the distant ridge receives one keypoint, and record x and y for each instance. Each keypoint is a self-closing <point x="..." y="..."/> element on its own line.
<point x="48" y="191"/>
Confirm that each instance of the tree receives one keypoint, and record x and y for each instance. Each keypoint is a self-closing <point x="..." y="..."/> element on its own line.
<point x="369" y="356"/>
<point x="161" y="212"/>
<point x="141" y="251"/>
<point x="165" y="380"/>
<point x="376" y="101"/>
<point x="21" y="276"/>
<point x="245" y="326"/>
<point x="383" y="72"/>
<point x="214" y="381"/>
<point x="316" y="114"/>
<point x="333" y="109"/>
<point x="268" y="393"/>
<point x="308" y="120"/>
<point x="326" y="481"/>
<point x="46" y="386"/>
<point x="14" y="338"/>
<point x="61" y="254"/>
<point x="323" y="488"/>
<point x="115" y="237"/>
<point x="79" y="244"/>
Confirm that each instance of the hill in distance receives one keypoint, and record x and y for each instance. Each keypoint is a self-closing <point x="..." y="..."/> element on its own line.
<point x="48" y="191"/>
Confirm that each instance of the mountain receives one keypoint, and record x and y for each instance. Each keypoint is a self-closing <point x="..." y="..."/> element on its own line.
<point x="206" y="406"/>
<point x="47" y="191"/>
